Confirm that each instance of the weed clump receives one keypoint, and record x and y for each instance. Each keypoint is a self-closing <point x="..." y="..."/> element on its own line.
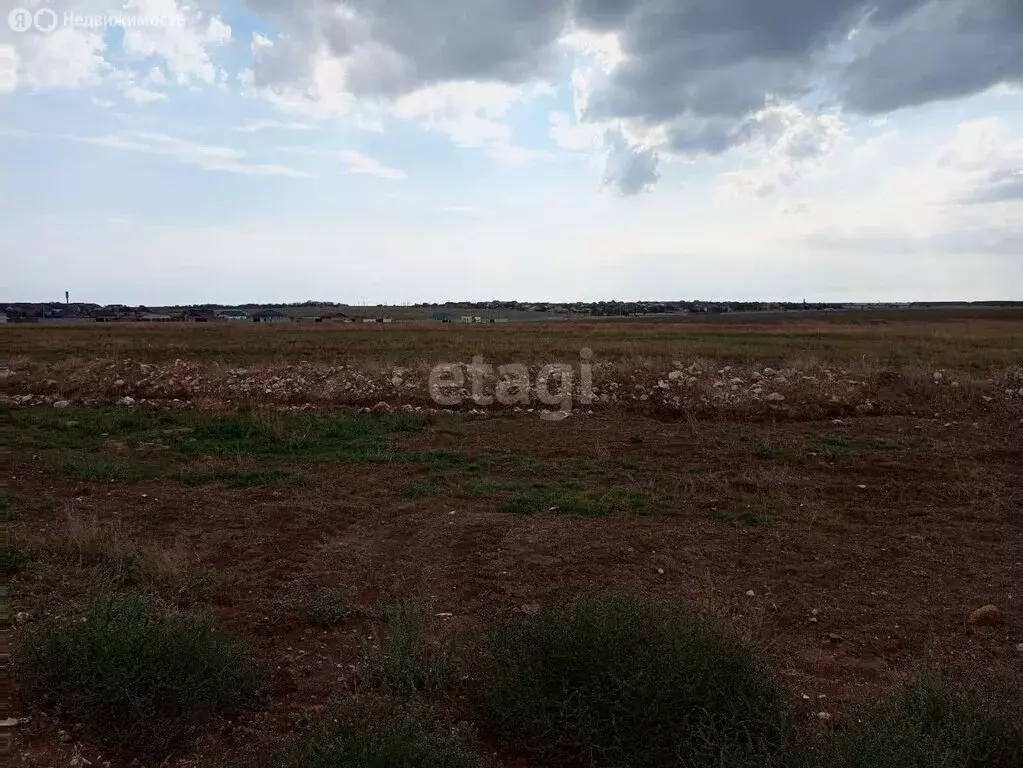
<point x="327" y="607"/>
<point x="937" y="719"/>
<point x="379" y="733"/>
<point x="623" y="681"/>
<point x="401" y="662"/>
<point x="134" y="676"/>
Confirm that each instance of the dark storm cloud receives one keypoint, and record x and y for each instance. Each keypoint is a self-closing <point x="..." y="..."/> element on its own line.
<point x="700" y="58"/>
<point x="696" y="70"/>
<point x="945" y="50"/>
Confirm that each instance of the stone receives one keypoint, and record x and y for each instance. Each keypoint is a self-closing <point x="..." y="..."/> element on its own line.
<point x="775" y="397"/>
<point x="62" y="404"/>
<point x="986" y="615"/>
<point x="126" y="400"/>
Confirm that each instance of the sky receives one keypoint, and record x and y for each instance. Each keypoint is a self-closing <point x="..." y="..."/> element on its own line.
<point x="398" y="151"/>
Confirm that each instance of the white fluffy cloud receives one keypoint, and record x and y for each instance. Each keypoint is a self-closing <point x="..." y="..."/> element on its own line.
<point x="77" y="52"/>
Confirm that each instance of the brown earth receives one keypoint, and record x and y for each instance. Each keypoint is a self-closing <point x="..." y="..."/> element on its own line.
<point x="883" y="548"/>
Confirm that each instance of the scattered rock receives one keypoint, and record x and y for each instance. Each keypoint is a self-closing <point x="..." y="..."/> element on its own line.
<point x="834" y="638"/>
<point x="823" y="716"/>
<point x="1019" y="647"/>
<point x="529" y="608"/>
<point x="751" y="593"/>
<point x="22" y="617"/>
<point x="119" y="383"/>
<point x="381" y="407"/>
<point x="126" y="400"/>
<point x="62" y="404"/>
<point x="775" y="397"/>
<point x="63" y="736"/>
<point x="986" y="615"/>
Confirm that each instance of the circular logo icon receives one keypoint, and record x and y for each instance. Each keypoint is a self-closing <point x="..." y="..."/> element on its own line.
<point x="45" y="20"/>
<point x="20" y="20"/>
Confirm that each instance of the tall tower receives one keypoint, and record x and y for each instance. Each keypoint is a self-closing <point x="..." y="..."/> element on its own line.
<point x="67" y="298"/>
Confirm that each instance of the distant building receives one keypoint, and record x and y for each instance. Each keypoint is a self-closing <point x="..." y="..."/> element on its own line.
<point x="233" y="314"/>
<point x="3" y="317"/>
<point x="336" y="317"/>
<point x="269" y="316"/>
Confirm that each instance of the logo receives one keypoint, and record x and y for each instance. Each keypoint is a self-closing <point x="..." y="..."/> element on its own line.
<point x="45" y="20"/>
<point x="20" y="20"/>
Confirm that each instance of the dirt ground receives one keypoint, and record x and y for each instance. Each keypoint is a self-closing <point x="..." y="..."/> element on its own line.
<point x="853" y="547"/>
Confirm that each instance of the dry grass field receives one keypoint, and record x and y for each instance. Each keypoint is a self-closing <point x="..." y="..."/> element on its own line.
<point x="789" y="543"/>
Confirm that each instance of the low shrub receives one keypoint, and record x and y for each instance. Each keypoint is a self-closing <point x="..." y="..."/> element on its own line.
<point x="937" y="719"/>
<point x="623" y="681"/>
<point x="135" y="677"/>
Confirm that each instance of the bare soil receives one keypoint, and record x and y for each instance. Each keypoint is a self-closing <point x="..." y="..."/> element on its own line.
<point x="884" y="533"/>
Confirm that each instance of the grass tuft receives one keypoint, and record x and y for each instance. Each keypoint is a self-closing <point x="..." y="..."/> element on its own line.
<point x="327" y="607"/>
<point x="135" y="677"/>
<point x="401" y="662"/>
<point x="110" y="555"/>
<point x="619" y="680"/>
<point x="937" y="719"/>
<point x="379" y="733"/>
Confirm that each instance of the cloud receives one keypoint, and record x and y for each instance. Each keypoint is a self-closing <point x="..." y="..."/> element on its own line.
<point x="786" y="145"/>
<point x="985" y="158"/>
<point x="390" y="47"/>
<point x="354" y="162"/>
<point x="628" y="168"/>
<point x="368" y="166"/>
<point x="206" y="156"/>
<point x="572" y="135"/>
<point x="183" y="36"/>
<point x="472" y="115"/>
<point x="141" y="95"/>
<point x="252" y="126"/>
<point x="943" y="49"/>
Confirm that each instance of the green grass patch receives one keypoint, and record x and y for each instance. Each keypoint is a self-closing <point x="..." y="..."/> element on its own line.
<point x="371" y="732"/>
<point x="623" y="681"/>
<point x="13" y="554"/>
<point x="442" y="459"/>
<point x="268" y="432"/>
<point x="135" y="677"/>
<point x="400" y="661"/>
<point x="937" y="719"/>
<point x="420" y="489"/>
<point x="232" y="478"/>
<point x="753" y="510"/>
<point x="101" y="469"/>
<point x="340" y="436"/>
<point x="327" y="607"/>
<point x="589" y="502"/>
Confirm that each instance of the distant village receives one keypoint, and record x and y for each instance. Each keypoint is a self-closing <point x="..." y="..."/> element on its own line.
<point x="448" y="312"/>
